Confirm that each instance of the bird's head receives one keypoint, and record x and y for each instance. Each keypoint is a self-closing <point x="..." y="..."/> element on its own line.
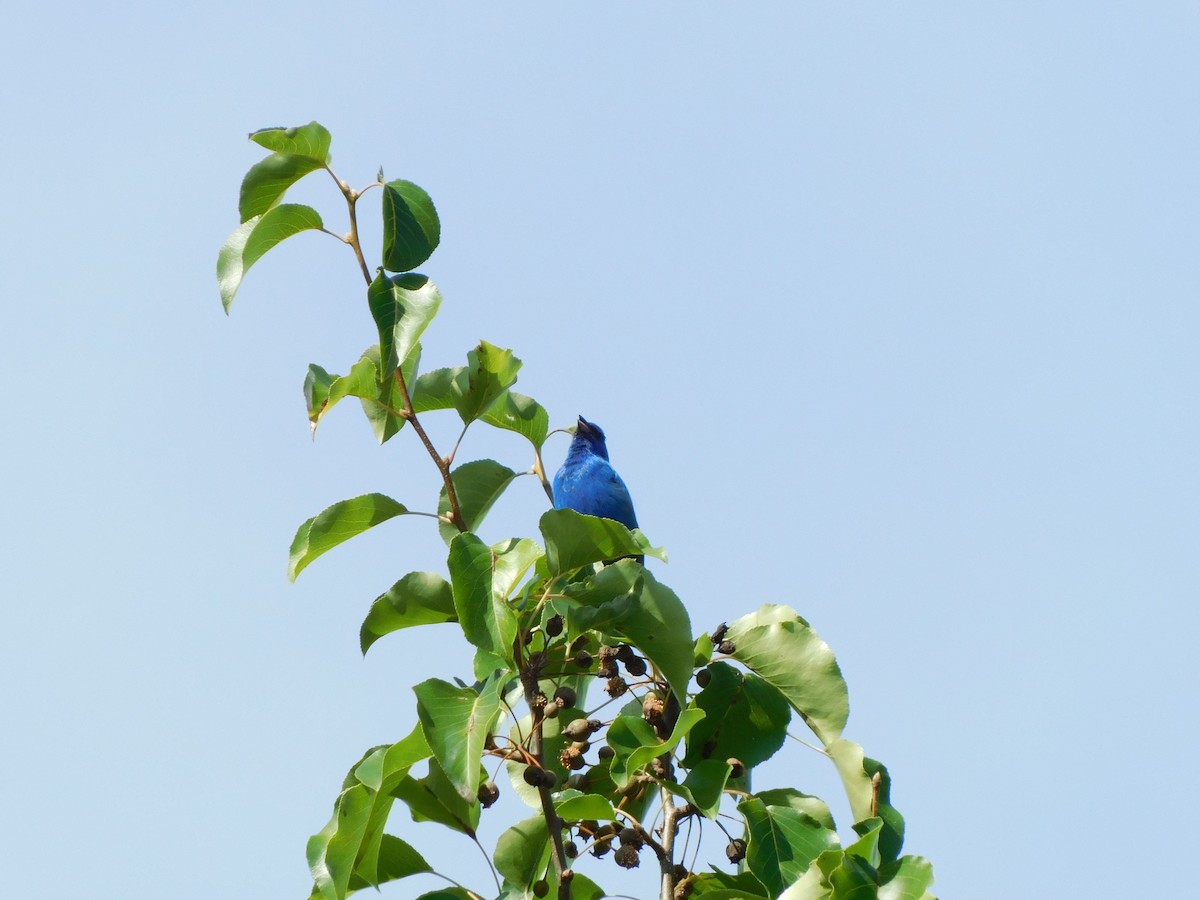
<point x="591" y="435"/>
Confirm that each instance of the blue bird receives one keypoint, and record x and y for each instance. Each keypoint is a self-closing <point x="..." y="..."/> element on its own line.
<point x="587" y="482"/>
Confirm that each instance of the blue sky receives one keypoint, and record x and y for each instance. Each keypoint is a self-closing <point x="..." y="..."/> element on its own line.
<point x="889" y="311"/>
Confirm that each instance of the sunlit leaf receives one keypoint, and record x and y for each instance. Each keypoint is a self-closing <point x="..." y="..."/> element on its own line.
<point x="522" y="852"/>
<point x="402" y="306"/>
<point x="419" y="598"/>
<point x="635" y="743"/>
<point x="455" y="722"/>
<point x="487" y="620"/>
<point x="478" y="484"/>
<point x="411" y="230"/>
<point x="907" y="878"/>
<point x="866" y="799"/>
<point x="255" y="237"/>
<point x="783" y="841"/>
<point x="524" y="415"/>
<point x="625" y="601"/>
<point x="579" y="806"/>
<point x="339" y="523"/>
<point x="434" y="799"/>
<point x="781" y="647"/>
<point x="747" y="718"/>
<point x="574" y="540"/>
<point x="704" y="785"/>
<point x="268" y="180"/>
<point x="311" y="140"/>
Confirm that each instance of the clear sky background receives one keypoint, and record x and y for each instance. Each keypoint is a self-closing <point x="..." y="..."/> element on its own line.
<point x="889" y="311"/>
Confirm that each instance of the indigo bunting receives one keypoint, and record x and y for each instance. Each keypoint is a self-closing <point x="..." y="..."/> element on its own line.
<point x="587" y="482"/>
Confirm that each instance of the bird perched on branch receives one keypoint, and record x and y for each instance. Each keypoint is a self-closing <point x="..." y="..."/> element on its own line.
<point x="587" y="482"/>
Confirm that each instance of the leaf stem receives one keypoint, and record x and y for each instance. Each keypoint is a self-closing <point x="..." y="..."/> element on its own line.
<point x="442" y="463"/>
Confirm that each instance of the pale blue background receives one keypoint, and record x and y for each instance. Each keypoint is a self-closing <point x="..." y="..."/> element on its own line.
<point x="889" y="310"/>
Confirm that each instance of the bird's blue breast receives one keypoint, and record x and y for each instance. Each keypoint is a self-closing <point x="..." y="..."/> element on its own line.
<point x="589" y="484"/>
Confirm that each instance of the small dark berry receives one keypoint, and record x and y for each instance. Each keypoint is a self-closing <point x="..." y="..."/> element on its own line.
<point x="606" y="752"/>
<point x="607" y="652"/>
<point x="616" y="686"/>
<point x="572" y="759"/>
<point x="583" y="659"/>
<point x="528" y="638"/>
<point x="718" y="634"/>
<point x="726" y="647"/>
<point x="625" y="653"/>
<point x="606" y="669"/>
<point x="736" y="850"/>
<point x="488" y="794"/>
<point x="554" y="626"/>
<point x="579" y="781"/>
<point x="629" y="837"/>
<point x="565" y="696"/>
<point x="570" y="849"/>
<point x="541" y="888"/>
<point x="532" y="776"/>
<point x="579" y="643"/>
<point x="582" y="746"/>
<point x="636" y="666"/>
<point x="680" y="873"/>
<point x="627" y="857"/>
<point x="703" y="677"/>
<point x="737" y="769"/>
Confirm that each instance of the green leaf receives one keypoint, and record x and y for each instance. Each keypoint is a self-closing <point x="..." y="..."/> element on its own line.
<point x="487" y="621"/>
<point x="437" y="388"/>
<point x="419" y="598"/>
<point x="478" y="485"/>
<point x="907" y="878"/>
<point x="311" y="140"/>
<point x="452" y="893"/>
<point x="411" y="230"/>
<point x="579" y="806"/>
<point x="866" y="847"/>
<point x="489" y="372"/>
<point x="553" y="743"/>
<point x="511" y="559"/>
<point x="255" y="237"/>
<point x="718" y="885"/>
<point x="523" y="851"/>
<point x="624" y="600"/>
<point x="339" y="523"/>
<point x="858" y="772"/>
<point x="704" y="785"/>
<point x="402" y="306"/>
<point x="392" y="860"/>
<point x="746" y="719"/>
<point x="382" y="401"/>
<point x="805" y="803"/>
<point x="434" y="799"/>
<point x="574" y="540"/>
<point x="385" y="767"/>
<point x="783" y="841"/>
<point x="268" y="180"/>
<point x="455" y="722"/>
<point x="635" y="743"/>
<point x="778" y="645"/>
<point x="524" y="415"/>
<point x="333" y="850"/>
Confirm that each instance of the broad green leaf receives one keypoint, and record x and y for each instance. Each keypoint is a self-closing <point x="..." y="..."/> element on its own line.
<point x="255" y="237"/>
<point x="411" y="230"/>
<point x="857" y="772"/>
<point x="455" y="722"/>
<point x="907" y="878"/>
<point x="783" y="841"/>
<point x="487" y="621"/>
<point x="385" y="767"/>
<point x="490" y="371"/>
<point x="437" y="388"/>
<point x="853" y="879"/>
<point x="452" y="893"/>
<point x="806" y="803"/>
<point x="582" y="887"/>
<point x="704" y="785"/>
<point x="778" y="645"/>
<point x="635" y="743"/>
<point x="746" y="719"/>
<point x="434" y="799"/>
<point x="866" y="847"/>
<point x="718" y="885"/>
<point x="333" y="850"/>
<point x="402" y="306"/>
<point x="478" y="484"/>
<point x="419" y="598"/>
<point x="574" y="540"/>
<point x="268" y="180"/>
<point x="523" y="851"/>
<point x="382" y="401"/>
<point x="624" y="600"/>
<point x="339" y="523"/>
<point x="579" y="806"/>
<point x="524" y="415"/>
<point x="311" y="140"/>
<point x="511" y="559"/>
<point x="392" y="860"/>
